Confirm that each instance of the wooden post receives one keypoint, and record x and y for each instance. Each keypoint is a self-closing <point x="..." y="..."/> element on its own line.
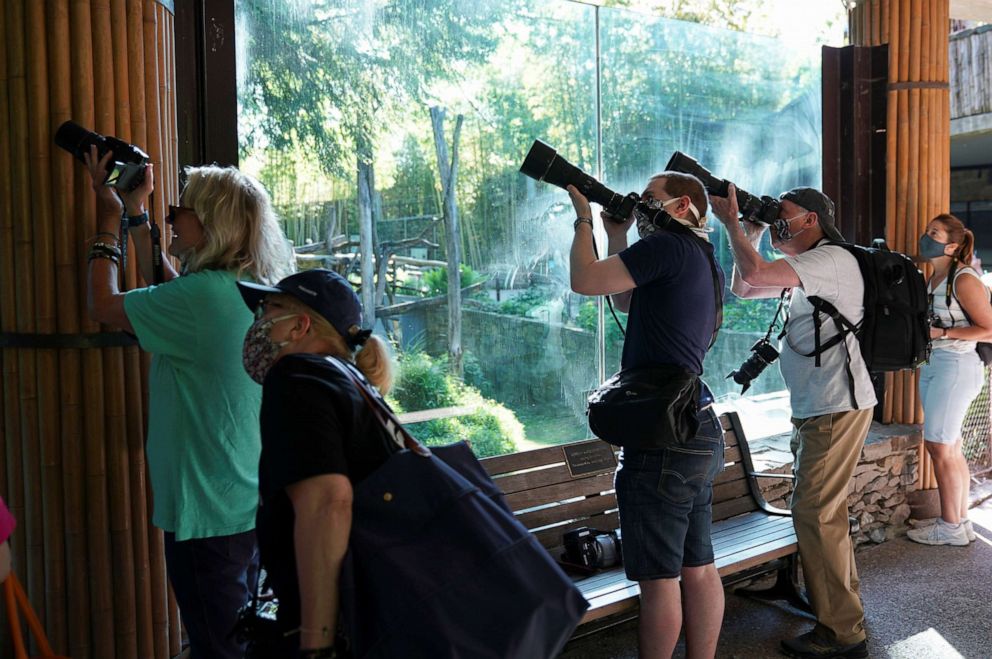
<point x="918" y="145"/>
<point x="73" y="418"/>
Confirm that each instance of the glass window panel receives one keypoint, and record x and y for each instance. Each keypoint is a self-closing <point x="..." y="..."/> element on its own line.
<point x="335" y="118"/>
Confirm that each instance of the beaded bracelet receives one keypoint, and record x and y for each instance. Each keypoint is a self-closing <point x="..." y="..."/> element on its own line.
<point x="106" y="247"/>
<point x="102" y="255"/>
<point x="582" y="220"/>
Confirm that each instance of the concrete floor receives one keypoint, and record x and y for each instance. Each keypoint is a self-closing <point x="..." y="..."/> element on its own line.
<point x="920" y="603"/>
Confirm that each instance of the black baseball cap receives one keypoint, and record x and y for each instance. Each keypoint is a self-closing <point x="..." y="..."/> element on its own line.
<point x="324" y="291"/>
<point x="815" y="201"/>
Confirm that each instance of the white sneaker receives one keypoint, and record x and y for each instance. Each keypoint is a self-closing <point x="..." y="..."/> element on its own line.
<point x="969" y="530"/>
<point x="940" y="533"/>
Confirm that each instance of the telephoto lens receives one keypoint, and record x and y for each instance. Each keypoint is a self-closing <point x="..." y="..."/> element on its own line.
<point x="126" y="169"/>
<point x="763" y="353"/>
<point x="761" y="210"/>
<point x="544" y="164"/>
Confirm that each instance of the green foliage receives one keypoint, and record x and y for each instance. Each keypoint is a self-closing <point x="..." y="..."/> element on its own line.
<point x="748" y="315"/>
<point x="520" y="305"/>
<point x="588" y="318"/>
<point x="424" y="383"/>
<point x="436" y="280"/>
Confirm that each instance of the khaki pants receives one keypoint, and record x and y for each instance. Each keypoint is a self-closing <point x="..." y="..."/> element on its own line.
<point x="826" y="450"/>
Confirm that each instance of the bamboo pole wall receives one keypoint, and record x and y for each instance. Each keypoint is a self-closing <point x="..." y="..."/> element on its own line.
<point x="72" y="417"/>
<point x="918" y="147"/>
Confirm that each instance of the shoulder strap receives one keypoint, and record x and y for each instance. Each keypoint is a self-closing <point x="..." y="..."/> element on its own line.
<point x="380" y="409"/>
<point x="708" y="251"/>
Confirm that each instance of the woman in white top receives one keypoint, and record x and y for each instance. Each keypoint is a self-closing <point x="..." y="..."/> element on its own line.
<point x="960" y="317"/>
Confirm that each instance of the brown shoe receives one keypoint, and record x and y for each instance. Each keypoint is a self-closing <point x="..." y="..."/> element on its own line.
<point x="811" y="646"/>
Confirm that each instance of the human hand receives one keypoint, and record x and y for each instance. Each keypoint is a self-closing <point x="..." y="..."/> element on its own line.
<point x="134" y="200"/>
<point x="579" y="202"/>
<point x="725" y="208"/>
<point x="107" y="201"/>
<point x="615" y="226"/>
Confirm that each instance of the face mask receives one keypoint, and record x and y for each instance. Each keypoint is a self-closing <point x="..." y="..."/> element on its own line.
<point x="930" y="248"/>
<point x="650" y="223"/>
<point x="782" y="231"/>
<point x="259" y="352"/>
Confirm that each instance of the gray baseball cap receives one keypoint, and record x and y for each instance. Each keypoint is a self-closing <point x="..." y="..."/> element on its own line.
<point x="815" y="201"/>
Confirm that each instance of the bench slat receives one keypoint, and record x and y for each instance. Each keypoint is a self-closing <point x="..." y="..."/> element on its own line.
<point x="560" y="491"/>
<point x="743" y="541"/>
<point x="740" y="532"/>
<point x="740" y="561"/>
<point x="731" y="490"/>
<point x="733" y="508"/>
<point x="504" y="464"/>
<point x="528" y="480"/>
<point x="572" y="510"/>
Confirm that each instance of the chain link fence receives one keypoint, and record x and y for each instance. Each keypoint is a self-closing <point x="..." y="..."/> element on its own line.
<point x="976" y="432"/>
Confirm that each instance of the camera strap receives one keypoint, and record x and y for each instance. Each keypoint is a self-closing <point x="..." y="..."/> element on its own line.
<point x="122" y="271"/>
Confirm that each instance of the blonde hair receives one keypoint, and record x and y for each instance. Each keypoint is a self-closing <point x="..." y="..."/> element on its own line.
<point x="373" y="359"/>
<point x="240" y="229"/>
<point x="958" y="233"/>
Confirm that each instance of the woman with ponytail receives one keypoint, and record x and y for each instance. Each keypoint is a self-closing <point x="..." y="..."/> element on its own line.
<point x="960" y="317"/>
<point x="319" y="440"/>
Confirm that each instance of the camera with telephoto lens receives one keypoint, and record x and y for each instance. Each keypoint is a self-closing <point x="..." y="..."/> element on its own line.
<point x="126" y="169"/>
<point x="760" y="210"/>
<point x="544" y="164"/>
<point x="763" y="353"/>
<point x="593" y="548"/>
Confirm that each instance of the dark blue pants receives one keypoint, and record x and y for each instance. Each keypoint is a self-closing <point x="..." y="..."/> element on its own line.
<point x="212" y="579"/>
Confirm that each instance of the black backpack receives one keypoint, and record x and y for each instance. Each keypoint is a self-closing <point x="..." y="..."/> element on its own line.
<point x="894" y="334"/>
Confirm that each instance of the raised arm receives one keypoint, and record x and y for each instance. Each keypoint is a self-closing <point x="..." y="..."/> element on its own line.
<point x="592" y="276"/>
<point x="753" y="276"/>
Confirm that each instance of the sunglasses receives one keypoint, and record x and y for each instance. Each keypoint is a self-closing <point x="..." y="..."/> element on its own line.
<point x="170" y="218"/>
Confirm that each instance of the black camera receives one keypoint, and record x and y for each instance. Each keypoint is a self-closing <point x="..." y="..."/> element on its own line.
<point x="592" y="548"/>
<point x="763" y="353"/>
<point x="761" y="210"/>
<point x="126" y="169"/>
<point x="544" y="164"/>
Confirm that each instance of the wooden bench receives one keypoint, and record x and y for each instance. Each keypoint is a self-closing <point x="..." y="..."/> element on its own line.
<point x="553" y="490"/>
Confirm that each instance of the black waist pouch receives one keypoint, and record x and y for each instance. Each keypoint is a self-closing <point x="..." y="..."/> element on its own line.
<point x="648" y="407"/>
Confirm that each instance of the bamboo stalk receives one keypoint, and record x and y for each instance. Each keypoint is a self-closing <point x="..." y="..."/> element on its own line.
<point x="876" y="23"/>
<point x="49" y="450"/>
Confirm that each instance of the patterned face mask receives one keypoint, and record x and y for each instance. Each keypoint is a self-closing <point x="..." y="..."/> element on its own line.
<point x="650" y="223"/>
<point x="781" y="228"/>
<point x="259" y="352"/>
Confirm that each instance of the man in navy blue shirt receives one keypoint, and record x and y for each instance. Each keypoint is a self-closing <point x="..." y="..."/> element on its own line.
<point x="665" y="282"/>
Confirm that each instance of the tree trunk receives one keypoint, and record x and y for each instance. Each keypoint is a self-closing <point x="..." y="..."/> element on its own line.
<point x="448" y="170"/>
<point x="366" y="247"/>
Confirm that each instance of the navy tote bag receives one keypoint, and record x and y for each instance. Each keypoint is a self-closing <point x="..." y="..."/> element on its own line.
<point x="438" y="567"/>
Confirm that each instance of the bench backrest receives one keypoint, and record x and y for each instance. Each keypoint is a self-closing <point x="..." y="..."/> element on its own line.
<point x="549" y="500"/>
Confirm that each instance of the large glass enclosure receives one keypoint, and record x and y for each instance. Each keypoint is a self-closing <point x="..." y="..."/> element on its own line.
<point x="358" y="116"/>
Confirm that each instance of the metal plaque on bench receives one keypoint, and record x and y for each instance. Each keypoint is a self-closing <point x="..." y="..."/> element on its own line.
<point x="589" y="458"/>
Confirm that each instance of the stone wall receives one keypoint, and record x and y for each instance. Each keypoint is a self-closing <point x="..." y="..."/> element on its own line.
<point x="877" y="495"/>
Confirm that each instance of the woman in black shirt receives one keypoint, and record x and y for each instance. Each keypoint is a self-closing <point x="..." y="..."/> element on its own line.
<point x="319" y="439"/>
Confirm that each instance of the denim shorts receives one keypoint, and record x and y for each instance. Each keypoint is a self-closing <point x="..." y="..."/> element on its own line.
<point x="665" y="498"/>
<point x="948" y="384"/>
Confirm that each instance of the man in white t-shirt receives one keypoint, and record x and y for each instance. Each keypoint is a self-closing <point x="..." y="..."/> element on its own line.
<point x="832" y="400"/>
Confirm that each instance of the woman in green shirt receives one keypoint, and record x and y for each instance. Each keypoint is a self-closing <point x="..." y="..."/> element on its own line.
<point x="203" y="438"/>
